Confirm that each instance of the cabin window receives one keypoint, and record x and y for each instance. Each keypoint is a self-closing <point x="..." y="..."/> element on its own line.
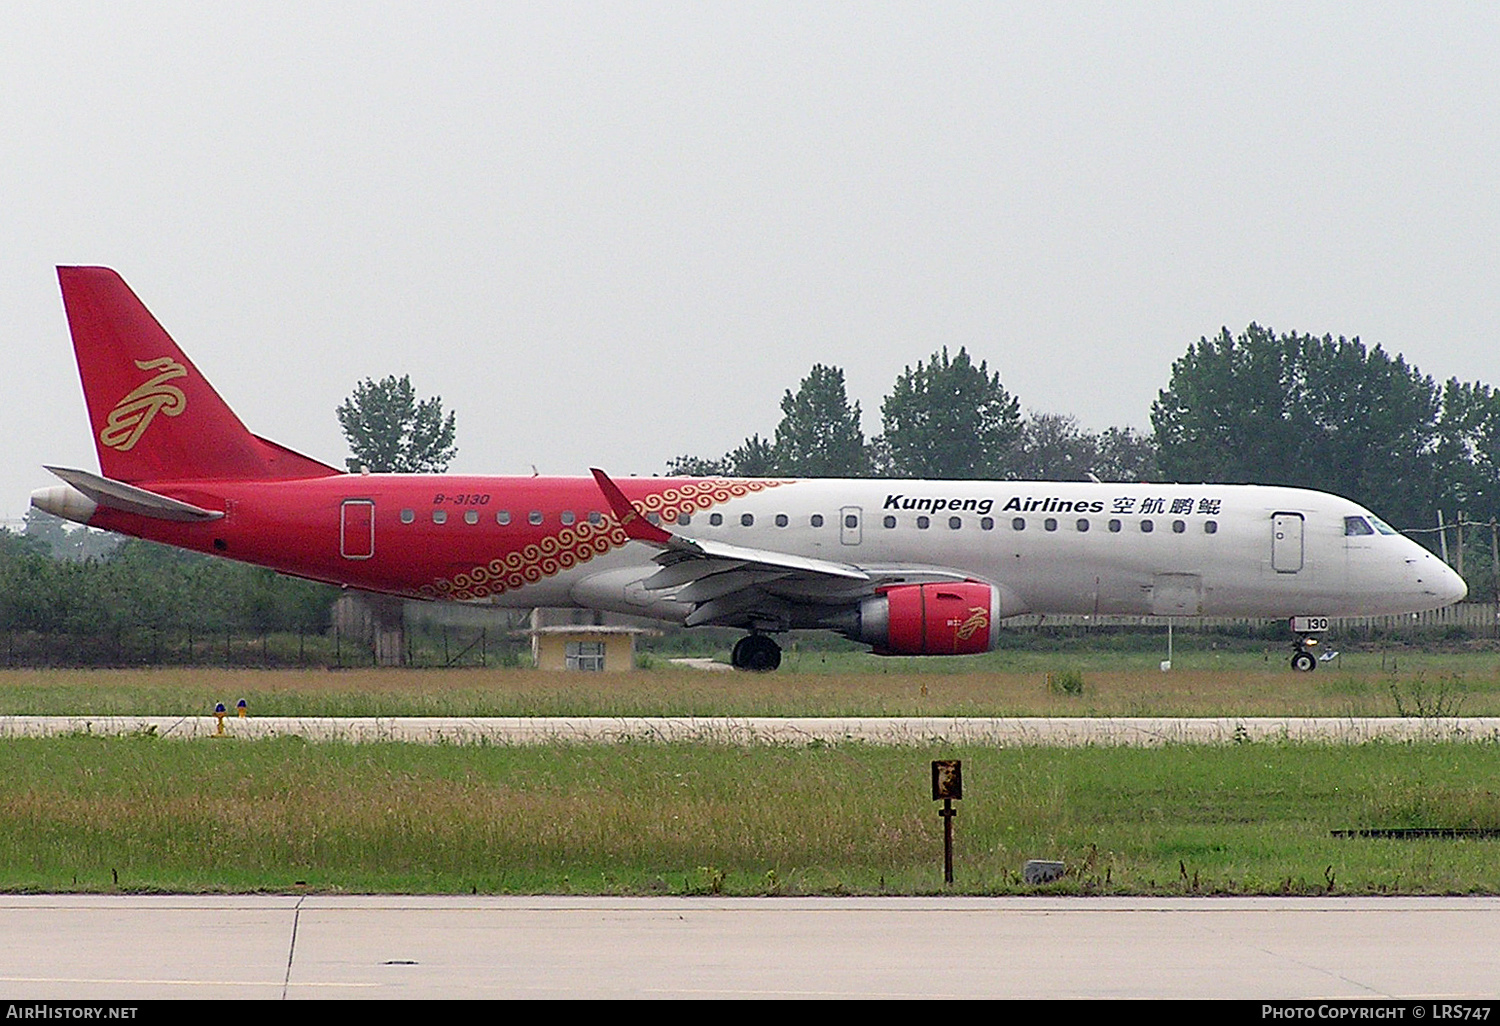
<point x="408" y="516"/>
<point x="715" y="519"/>
<point x="1383" y="527"/>
<point x="1083" y="526"/>
<point x="1050" y="523"/>
<point x="782" y="520"/>
<point x="596" y="518"/>
<point x="816" y="520"/>
<point x="889" y="522"/>
<point x="1178" y="526"/>
<point x="471" y="516"/>
<point x="683" y="519"/>
<point x="986" y="523"/>
<point x="851" y="521"/>
<point x="1356" y="526"/>
<point x="439" y="516"/>
<point x="954" y="523"/>
<point x="1114" y="527"/>
<point x="535" y="517"/>
<point x="1147" y="526"/>
<point x="747" y="519"/>
<point x="502" y="517"/>
<point x="654" y="519"/>
<point x="1210" y="527"/>
<point x="1018" y="524"/>
<point x="568" y="517"/>
<point x="923" y="523"/>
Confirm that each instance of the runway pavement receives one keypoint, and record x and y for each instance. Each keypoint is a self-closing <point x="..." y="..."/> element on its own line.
<point x="778" y="730"/>
<point x="112" y="948"/>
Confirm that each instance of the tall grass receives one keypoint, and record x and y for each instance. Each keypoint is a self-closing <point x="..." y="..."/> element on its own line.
<point x="1215" y="684"/>
<point x="90" y="813"/>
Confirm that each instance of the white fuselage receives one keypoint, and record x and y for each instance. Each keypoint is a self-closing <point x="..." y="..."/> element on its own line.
<point x="1071" y="548"/>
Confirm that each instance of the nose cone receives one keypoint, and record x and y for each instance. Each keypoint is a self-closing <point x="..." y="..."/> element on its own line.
<point x="1451" y="587"/>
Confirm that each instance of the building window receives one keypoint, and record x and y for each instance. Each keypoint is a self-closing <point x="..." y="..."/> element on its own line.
<point x="585" y="655"/>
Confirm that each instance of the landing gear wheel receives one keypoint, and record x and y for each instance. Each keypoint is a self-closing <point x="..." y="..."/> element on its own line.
<point x="756" y="653"/>
<point x="1303" y="662"/>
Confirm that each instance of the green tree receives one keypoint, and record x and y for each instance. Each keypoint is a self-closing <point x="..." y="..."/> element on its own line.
<point x="1298" y="410"/>
<point x="755" y="458"/>
<point x="949" y="419"/>
<point x="389" y="430"/>
<point x="1124" y="454"/>
<point x="819" y="434"/>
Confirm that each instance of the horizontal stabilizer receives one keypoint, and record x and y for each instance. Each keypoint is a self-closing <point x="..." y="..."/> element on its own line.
<point x="130" y="499"/>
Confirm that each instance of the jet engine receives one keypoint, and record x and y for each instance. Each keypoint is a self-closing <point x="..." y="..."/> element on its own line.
<point x="932" y="619"/>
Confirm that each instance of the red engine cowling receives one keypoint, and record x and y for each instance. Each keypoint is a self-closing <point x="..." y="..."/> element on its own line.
<point x="931" y="619"/>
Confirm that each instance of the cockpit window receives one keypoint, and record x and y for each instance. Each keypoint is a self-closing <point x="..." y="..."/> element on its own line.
<point x="1356" y="525"/>
<point x="1382" y="526"/>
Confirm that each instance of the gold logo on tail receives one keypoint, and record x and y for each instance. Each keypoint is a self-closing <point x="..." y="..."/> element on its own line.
<point x="133" y="415"/>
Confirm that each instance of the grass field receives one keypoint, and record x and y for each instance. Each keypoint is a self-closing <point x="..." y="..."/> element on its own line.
<point x="98" y="814"/>
<point x="89" y="813"/>
<point x="1201" y="683"/>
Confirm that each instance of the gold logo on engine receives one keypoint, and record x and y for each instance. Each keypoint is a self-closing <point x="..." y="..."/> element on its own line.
<point x="133" y="415"/>
<point x="979" y="619"/>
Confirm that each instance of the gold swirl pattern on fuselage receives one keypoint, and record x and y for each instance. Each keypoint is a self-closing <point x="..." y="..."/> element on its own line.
<point x="573" y="544"/>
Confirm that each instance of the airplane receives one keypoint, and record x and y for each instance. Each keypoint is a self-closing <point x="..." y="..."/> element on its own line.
<point x="907" y="567"/>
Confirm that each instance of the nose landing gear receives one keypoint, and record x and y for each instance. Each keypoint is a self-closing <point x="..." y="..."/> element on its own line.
<point x="1303" y="660"/>
<point x="756" y="653"/>
<point x="1305" y="648"/>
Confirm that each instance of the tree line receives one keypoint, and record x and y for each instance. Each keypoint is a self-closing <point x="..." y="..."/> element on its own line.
<point x="945" y="419"/>
<point x="1258" y="407"/>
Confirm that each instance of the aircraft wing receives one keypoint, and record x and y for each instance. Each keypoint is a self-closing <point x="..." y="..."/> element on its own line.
<point x="734" y="585"/>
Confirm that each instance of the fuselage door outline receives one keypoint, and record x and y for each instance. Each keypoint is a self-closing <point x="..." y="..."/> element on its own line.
<point x="357" y="528"/>
<point x="1286" y="542"/>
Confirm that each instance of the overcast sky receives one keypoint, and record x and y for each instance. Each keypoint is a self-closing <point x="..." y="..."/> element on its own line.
<point x="610" y="233"/>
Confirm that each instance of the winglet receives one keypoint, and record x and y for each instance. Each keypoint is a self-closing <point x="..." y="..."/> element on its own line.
<point x="637" y="527"/>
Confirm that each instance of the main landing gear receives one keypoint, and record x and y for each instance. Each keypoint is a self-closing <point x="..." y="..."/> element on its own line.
<point x="757" y="653"/>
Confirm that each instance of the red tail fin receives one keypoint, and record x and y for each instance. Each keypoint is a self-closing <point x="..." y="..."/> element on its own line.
<point x="155" y="417"/>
